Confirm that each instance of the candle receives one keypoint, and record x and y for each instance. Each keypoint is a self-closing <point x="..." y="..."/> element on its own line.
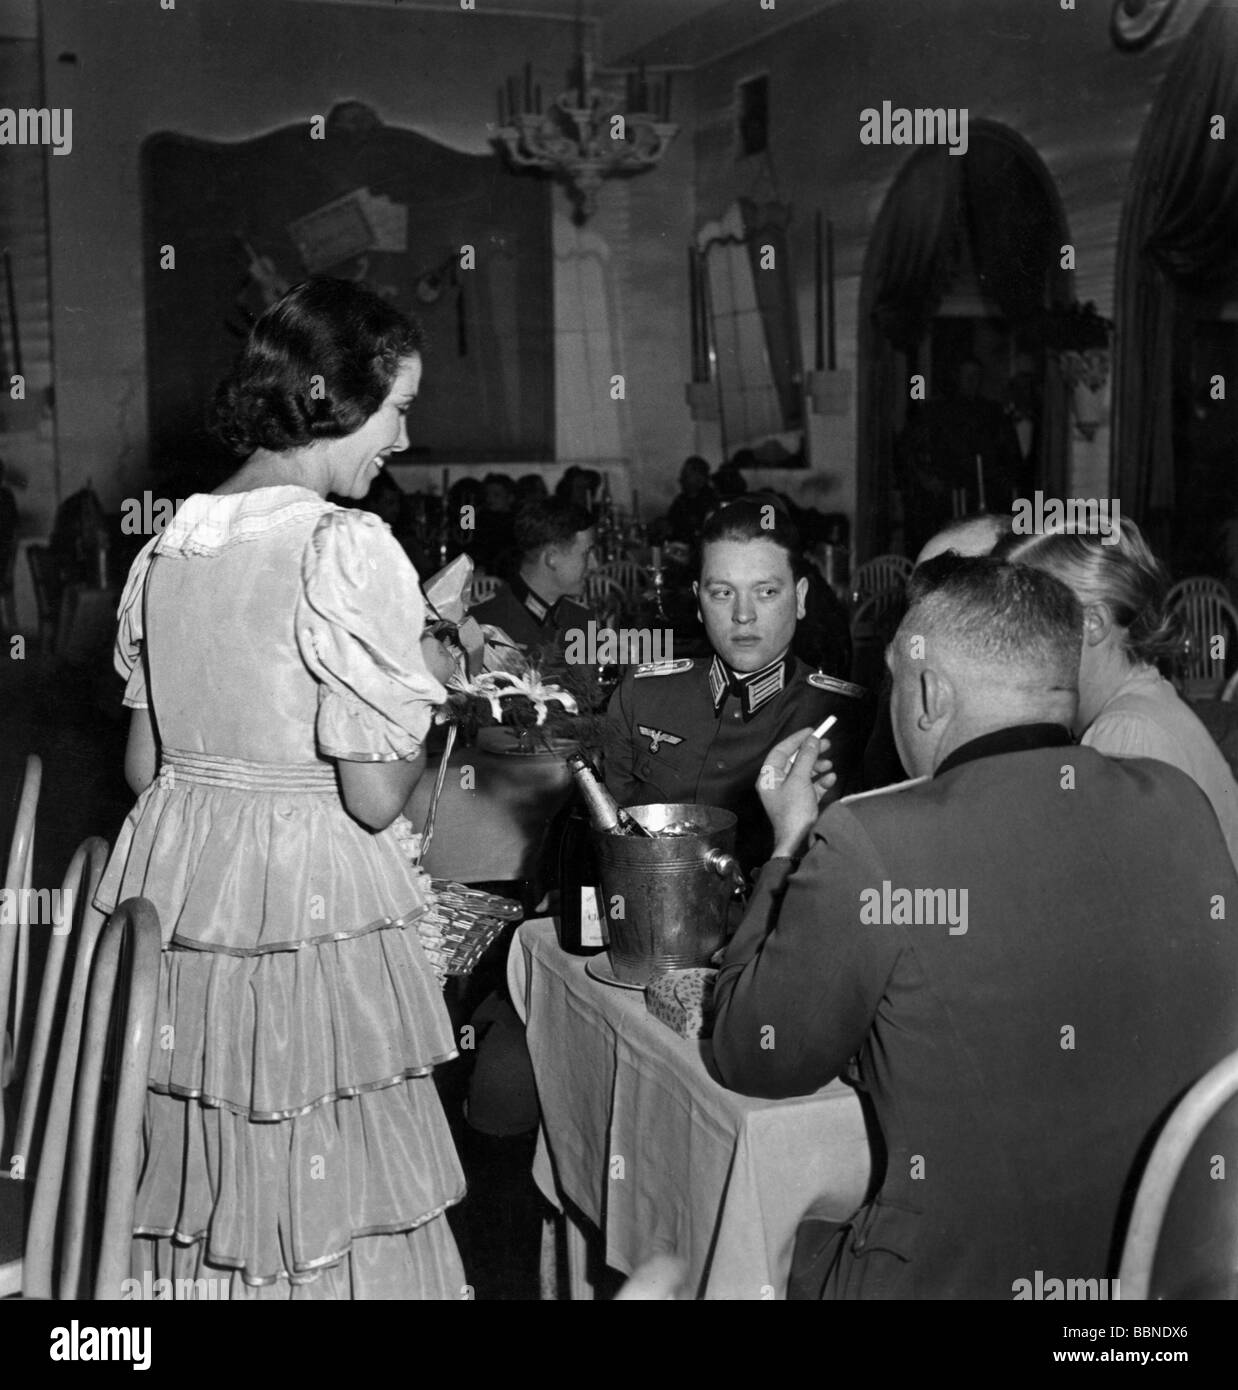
<point x="655" y="557"/>
<point x="502" y="115"/>
<point x="511" y="98"/>
<point x="528" y="86"/>
<point x="818" y="308"/>
<point x="666" y="98"/>
<point x="642" y="95"/>
<point x="446" y="473"/>
<point x="832" y="361"/>
<point x="537" y="99"/>
<point x="980" y="481"/>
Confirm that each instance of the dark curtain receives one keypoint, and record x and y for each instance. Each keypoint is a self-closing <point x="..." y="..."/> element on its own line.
<point x="1016" y="234"/>
<point x="1179" y="235"/>
<point x="907" y="271"/>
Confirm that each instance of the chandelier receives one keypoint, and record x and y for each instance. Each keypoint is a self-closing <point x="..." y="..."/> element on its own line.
<point x="590" y="132"/>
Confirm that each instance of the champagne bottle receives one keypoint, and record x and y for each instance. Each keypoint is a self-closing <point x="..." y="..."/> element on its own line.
<point x="605" y="814"/>
<point x="580" y="922"/>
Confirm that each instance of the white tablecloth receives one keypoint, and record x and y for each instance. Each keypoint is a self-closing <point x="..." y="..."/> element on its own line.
<point x="654" y="1152"/>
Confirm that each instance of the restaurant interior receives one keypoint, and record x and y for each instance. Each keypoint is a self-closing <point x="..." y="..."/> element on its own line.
<point x="865" y="272"/>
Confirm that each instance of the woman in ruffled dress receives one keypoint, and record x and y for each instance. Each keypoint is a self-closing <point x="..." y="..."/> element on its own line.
<point x="280" y="694"/>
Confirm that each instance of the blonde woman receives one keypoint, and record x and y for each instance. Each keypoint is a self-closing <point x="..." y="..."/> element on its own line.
<point x="1127" y="709"/>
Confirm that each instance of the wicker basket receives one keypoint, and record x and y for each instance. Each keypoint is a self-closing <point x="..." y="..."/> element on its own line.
<point x="459" y="923"/>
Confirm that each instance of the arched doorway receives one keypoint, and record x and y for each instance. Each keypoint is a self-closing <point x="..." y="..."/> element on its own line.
<point x="963" y="260"/>
<point x="1175" y="413"/>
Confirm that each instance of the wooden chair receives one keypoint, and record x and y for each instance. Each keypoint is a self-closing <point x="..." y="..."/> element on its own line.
<point x="606" y="598"/>
<point x="1198" y="585"/>
<point x="484" y="587"/>
<point x="881" y="575"/>
<point x="111" y="1012"/>
<point x="630" y="577"/>
<point x="1207" y="616"/>
<point x="1231" y="689"/>
<point x="1195" y="1252"/>
<point x="14" y="932"/>
<point x="19" y="1160"/>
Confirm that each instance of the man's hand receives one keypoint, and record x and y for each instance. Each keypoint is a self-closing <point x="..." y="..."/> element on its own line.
<point x="791" y="793"/>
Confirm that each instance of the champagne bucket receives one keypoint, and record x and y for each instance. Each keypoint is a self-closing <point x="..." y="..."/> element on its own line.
<point x="666" y="899"/>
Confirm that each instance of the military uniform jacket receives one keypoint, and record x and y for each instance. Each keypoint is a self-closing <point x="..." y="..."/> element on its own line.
<point x="690" y="731"/>
<point x="1021" y="1046"/>
<point x="528" y="619"/>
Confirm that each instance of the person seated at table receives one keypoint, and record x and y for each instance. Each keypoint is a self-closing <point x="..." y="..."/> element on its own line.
<point x="495" y="534"/>
<point x="697" y="730"/>
<point x="695" y="501"/>
<point x="970" y="535"/>
<point x="1126" y="707"/>
<point x="1021" y="948"/>
<point x="542" y="602"/>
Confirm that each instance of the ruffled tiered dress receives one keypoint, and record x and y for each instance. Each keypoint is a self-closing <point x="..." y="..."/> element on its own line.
<point x="294" y="1141"/>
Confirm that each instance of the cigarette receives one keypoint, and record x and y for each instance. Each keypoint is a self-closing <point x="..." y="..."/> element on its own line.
<point x="819" y="732"/>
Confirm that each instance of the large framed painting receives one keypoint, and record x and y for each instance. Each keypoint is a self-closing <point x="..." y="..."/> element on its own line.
<point x="459" y="240"/>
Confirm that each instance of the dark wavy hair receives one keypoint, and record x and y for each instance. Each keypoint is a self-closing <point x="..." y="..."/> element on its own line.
<point x="333" y="329"/>
<point x="1124" y="575"/>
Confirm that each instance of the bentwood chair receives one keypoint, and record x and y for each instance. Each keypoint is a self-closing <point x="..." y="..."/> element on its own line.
<point x="606" y="598"/>
<point x="484" y="587"/>
<point x="883" y="574"/>
<point x="85" y="1188"/>
<point x="1212" y="622"/>
<point x="630" y="577"/>
<point x="1231" y="689"/>
<point x="1198" y="585"/>
<point x="14" y="930"/>
<point x="1182" y="1241"/>
<point x="79" y="922"/>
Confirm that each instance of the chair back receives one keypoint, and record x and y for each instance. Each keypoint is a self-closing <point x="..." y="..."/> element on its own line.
<point x="484" y="587"/>
<point x="628" y="575"/>
<point x="606" y="598"/>
<point x="880" y="575"/>
<point x="1207" y="617"/>
<point x="1182" y="1240"/>
<point x="1231" y="689"/>
<point x="15" y="930"/>
<point x="97" y="1139"/>
<point x="79" y="920"/>
<point x="1198" y="585"/>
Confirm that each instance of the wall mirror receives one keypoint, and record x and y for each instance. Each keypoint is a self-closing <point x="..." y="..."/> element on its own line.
<point x="752" y="334"/>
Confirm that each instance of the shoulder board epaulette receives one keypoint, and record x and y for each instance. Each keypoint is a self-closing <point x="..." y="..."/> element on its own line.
<point x="664" y="668"/>
<point x="882" y="791"/>
<point x="823" y="682"/>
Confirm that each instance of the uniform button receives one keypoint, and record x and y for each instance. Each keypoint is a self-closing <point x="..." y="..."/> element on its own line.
<point x="721" y="766"/>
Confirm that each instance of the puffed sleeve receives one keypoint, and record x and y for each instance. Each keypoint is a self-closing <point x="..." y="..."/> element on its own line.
<point x="131" y="630"/>
<point x="359" y="627"/>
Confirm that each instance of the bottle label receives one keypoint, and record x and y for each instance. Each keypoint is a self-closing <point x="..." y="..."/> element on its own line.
<point x="591" y="933"/>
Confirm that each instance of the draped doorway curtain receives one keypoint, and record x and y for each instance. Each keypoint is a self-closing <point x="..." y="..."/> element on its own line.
<point x="1002" y="200"/>
<point x="1178" y="241"/>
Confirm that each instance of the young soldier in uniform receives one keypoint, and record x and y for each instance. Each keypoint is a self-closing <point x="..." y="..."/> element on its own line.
<point x="556" y="542"/>
<point x="698" y="731"/>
